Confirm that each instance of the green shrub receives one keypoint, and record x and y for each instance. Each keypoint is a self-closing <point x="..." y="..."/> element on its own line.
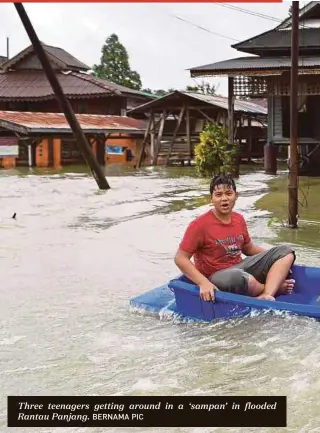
<point x="212" y="155"/>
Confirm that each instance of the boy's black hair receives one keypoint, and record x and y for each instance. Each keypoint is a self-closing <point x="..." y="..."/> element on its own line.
<point x="222" y="180"/>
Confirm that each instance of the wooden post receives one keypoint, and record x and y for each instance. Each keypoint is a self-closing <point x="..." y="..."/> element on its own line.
<point x="152" y="136"/>
<point x="188" y="132"/>
<point x="181" y="114"/>
<point x="293" y="167"/>
<point x="101" y="149"/>
<point x="250" y="139"/>
<point x="63" y="101"/>
<point x="158" y="142"/>
<point x="236" y="161"/>
<point x="145" y="139"/>
<point x="230" y="113"/>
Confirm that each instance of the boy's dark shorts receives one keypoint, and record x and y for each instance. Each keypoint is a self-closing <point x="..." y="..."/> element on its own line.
<point x="235" y="278"/>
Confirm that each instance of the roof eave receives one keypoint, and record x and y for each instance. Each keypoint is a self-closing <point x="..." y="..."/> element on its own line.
<point x="238" y="45"/>
<point x="86" y="131"/>
<point x="50" y="97"/>
<point x="14" y="127"/>
<point x="249" y="71"/>
<point x="143" y="107"/>
<point x="235" y="72"/>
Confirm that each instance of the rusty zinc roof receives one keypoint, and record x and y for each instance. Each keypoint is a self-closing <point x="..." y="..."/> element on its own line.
<point x="29" y="122"/>
<point x="178" y="98"/>
<point x="34" y="86"/>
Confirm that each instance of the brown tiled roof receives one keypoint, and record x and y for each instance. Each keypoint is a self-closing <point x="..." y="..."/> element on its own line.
<point x="33" y="85"/>
<point x="108" y="85"/>
<point x="62" y="60"/>
<point x="26" y="122"/>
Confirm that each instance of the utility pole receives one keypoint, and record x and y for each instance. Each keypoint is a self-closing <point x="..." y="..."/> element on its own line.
<point x="65" y="105"/>
<point x="293" y="165"/>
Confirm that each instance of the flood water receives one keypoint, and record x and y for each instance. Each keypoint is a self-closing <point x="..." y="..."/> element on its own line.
<point x="73" y="258"/>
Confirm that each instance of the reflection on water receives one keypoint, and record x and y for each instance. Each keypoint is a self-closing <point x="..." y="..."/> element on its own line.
<point x="75" y="256"/>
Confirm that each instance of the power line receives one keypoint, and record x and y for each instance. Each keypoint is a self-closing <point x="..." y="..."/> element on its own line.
<point x="204" y="28"/>
<point x="249" y="12"/>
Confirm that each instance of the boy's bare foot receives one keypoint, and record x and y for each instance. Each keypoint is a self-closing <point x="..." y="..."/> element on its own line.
<point x="286" y="287"/>
<point x="266" y="297"/>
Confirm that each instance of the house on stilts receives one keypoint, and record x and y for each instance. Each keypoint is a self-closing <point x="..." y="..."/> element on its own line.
<point x="266" y="74"/>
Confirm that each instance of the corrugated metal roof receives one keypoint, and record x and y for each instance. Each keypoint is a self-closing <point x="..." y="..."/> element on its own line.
<point x="34" y="85"/>
<point x="280" y="39"/>
<point x="180" y="97"/>
<point x="304" y="12"/>
<point x="254" y="63"/>
<point x="26" y="122"/>
<point x="222" y="102"/>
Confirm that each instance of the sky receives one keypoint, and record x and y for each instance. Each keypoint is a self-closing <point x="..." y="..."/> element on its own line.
<point x="161" y="47"/>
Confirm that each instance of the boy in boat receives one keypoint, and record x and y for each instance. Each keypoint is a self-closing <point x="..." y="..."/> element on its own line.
<point x="217" y="239"/>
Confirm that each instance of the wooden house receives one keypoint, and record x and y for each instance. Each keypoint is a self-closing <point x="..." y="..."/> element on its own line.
<point x="176" y="120"/>
<point x="24" y="88"/>
<point x="266" y="74"/>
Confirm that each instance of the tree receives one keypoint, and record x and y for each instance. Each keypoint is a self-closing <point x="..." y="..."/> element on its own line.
<point x="212" y="153"/>
<point x="204" y="87"/>
<point x="158" y="92"/>
<point x="114" y="65"/>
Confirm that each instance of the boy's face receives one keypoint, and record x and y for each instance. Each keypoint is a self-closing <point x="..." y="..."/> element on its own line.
<point x="223" y="199"/>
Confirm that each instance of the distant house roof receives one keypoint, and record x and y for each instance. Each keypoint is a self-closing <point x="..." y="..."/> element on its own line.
<point x="177" y="98"/>
<point x="22" y="78"/>
<point x="274" y="49"/>
<point x="248" y="65"/>
<point x="34" y="86"/>
<point x="29" y="122"/>
<point x="307" y="12"/>
<point x="280" y="40"/>
<point x="59" y="58"/>
<point x="2" y="59"/>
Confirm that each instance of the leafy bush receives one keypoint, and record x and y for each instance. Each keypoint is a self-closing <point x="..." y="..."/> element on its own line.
<point x="212" y="155"/>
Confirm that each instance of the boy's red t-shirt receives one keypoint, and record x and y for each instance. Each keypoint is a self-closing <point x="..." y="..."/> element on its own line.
<point x="215" y="245"/>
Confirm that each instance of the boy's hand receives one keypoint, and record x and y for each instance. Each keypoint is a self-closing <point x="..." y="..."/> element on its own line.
<point x="207" y="291"/>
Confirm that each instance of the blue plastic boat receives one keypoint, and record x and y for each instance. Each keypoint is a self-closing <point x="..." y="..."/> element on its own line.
<point x="181" y="296"/>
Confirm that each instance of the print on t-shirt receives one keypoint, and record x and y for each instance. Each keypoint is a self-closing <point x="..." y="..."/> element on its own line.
<point x="231" y="246"/>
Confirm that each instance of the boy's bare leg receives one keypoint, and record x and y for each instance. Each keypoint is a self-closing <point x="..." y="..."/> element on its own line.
<point x="277" y="277"/>
<point x="254" y="287"/>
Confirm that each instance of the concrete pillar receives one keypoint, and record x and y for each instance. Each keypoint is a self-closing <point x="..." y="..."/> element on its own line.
<point x="42" y="154"/>
<point x="57" y="153"/>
